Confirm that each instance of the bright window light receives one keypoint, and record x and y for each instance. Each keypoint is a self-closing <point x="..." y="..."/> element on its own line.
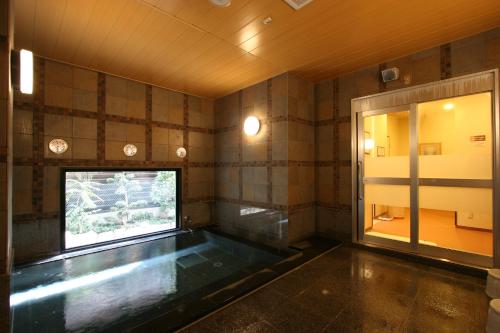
<point x="26" y="72"/>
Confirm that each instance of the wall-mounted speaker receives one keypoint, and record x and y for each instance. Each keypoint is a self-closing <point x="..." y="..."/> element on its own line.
<point x="390" y="74"/>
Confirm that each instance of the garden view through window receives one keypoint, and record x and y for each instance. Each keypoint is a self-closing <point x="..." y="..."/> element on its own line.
<point x="107" y="205"/>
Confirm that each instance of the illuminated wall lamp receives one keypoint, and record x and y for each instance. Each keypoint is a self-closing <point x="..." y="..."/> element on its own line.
<point x="251" y="126"/>
<point x="26" y="78"/>
<point x="369" y="145"/>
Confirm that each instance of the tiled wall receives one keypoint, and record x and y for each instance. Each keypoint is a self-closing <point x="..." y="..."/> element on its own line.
<point x="97" y="114"/>
<point x="6" y="42"/>
<point x="333" y="121"/>
<point x="272" y="170"/>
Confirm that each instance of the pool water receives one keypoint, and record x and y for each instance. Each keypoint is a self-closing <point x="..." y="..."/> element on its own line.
<point x="175" y="279"/>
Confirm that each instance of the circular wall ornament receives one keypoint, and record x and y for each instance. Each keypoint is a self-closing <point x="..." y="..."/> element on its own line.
<point x="130" y="150"/>
<point x="58" y="146"/>
<point x="181" y="152"/>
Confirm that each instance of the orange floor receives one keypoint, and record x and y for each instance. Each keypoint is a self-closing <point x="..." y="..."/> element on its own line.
<point x="439" y="227"/>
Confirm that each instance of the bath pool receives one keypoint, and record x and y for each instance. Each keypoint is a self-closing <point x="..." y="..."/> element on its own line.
<point x="158" y="285"/>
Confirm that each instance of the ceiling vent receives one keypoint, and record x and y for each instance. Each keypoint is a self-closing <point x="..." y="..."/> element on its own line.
<point x="297" y="4"/>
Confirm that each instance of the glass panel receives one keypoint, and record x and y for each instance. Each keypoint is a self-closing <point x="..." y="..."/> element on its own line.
<point x="386" y="142"/>
<point x="387" y="211"/>
<point x="454" y="138"/>
<point x="109" y="205"/>
<point x="456" y="218"/>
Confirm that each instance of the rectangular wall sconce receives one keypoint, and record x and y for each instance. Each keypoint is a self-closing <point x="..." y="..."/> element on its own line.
<point x="26" y="80"/>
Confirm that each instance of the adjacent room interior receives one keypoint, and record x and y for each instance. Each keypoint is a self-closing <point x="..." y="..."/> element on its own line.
<point x="249" y="165"/>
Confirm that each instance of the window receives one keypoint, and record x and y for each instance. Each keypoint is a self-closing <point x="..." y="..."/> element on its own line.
<point x="108" y="205"/>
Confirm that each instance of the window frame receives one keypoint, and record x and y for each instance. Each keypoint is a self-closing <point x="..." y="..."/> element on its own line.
<point x="62" y="205"/>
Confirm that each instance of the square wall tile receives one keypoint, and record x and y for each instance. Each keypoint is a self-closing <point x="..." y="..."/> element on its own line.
<point x="84" y="79"/>
<point x="84" y="100"/>
<point x="23" y="121"/>
<point x="324" y="100"/>
<point x="58" y="74"/>
<point x="84" y="148"/>
<point x="58" y="125"/>
<point x="168" y="106"/>
<point x="84" y="128"/>
<point x="23" y="145"/>
<point x="58" y="95"/>
<point x="116" y="131"/>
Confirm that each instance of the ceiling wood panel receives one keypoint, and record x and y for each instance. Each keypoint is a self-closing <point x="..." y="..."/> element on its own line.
<point x="193" y="46"/>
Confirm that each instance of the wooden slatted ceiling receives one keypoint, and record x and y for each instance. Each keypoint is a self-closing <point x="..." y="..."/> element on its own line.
<point x="193" y="46"/>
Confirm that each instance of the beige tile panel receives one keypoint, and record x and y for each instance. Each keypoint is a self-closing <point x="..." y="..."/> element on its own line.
<point x="23" y="121"/>
<point x="84" y="148"/>
<point x="160" y="135"/>
<point x="58" y="95"/>
<point x="58" y="125"/>
<point x="84" y="100"/>
<point x="22" y="178"/>
<point x="84" y="79"/>
<point x="23" y="145"/>
<point x="324" y="100"/>
<point x="345" y="189"/>
<point x="168" y="106"/>
<point x="301" y="224"/>
<point x="200" y="213"/>
<point x="58" y="74"/>
<point x="84" y="128"/>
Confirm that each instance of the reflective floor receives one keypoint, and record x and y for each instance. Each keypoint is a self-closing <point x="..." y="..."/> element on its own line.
<point x="353" y="290"/>
<point x="119" y="289"/>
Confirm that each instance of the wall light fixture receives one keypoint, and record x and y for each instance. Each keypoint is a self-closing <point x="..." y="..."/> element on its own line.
<point x="251" y="126"/>
<point x="26" y="78"/>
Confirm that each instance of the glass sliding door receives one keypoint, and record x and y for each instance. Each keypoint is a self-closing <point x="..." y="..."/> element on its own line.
<point x="455" y="174"/>
<point x="384" y="166"/>
<point x="424" y="176"/>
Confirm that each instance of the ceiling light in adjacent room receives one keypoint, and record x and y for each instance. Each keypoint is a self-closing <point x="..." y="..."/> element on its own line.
<point x="221" y="3"/>
<point x="251" y="126"/>
<point x="26" y="79"/>
<point x="58" y="146"/>
<point x="181" y="152"/>
<point x="448" y="106"/>
<point x="130" y="150"/>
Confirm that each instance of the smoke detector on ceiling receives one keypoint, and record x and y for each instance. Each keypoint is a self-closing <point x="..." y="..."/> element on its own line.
<point x="221" y="3"/>
<point x="297" y="4"/>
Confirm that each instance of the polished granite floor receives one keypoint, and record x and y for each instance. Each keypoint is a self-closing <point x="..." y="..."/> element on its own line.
<point x="354" y="290"/>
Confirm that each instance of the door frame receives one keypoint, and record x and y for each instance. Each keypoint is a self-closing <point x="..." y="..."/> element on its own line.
<point x="410" y="97"/>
